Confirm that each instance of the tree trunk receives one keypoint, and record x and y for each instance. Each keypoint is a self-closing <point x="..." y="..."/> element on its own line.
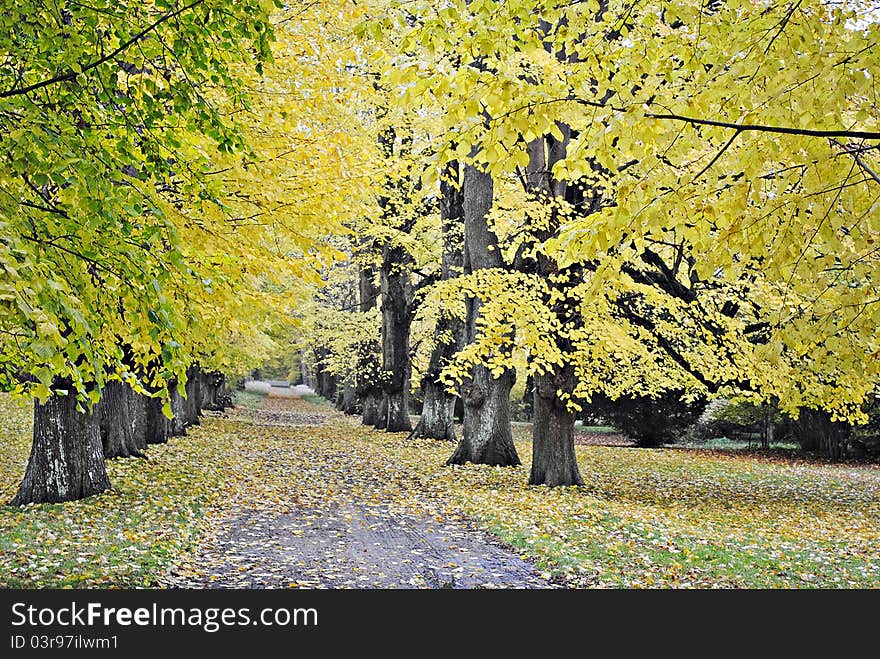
<point x="529" y="398"/>
<point x="382" y="420"/>
<point x="157" y="427"/>
<point x="178" y="409"/>
<point x="486" y="436"/>
<point x="349" y="397"/>
<point x="206" y="390"/>
<point x="396" y="319"/>
<point x="122" y="424"/>
<point x="438" y="414"/>
<point x="486" y="433"/>
<point x="193" y="396"/>
<point x="66" y="461"/>
<point x="371" y="403"/>
<point x="554" y="461"/>
<point x="397" y="410"/>
<point x="222" y="397"/>
<point x="368" y="371"/>
<point x="367" y="384"/>
<point x="438" y="410"/>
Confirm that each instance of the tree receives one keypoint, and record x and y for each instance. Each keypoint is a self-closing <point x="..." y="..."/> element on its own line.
<point x="696" y="166"/>
<point x="132" y="210"/>
<point x="437" y="420"/>
<point x="485" y="391"/>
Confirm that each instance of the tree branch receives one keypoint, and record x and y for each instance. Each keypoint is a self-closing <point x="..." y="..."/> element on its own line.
<point x="70" y="75"/>
<point x="785" y="130"/>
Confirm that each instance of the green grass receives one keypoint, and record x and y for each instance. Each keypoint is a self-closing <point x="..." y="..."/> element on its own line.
<point x="251" y="399"/>
<point x="315" y="399"/>
<point x="726" y="444"/>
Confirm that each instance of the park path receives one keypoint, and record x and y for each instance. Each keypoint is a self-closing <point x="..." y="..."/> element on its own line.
<point x="348" y="542"/>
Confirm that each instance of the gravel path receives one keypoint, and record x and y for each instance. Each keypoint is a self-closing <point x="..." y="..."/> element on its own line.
<point x="352" y="545"/>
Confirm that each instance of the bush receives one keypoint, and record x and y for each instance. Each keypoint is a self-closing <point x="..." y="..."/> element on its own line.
<point x="743" y="420"/>
<point x="649" y="421"/>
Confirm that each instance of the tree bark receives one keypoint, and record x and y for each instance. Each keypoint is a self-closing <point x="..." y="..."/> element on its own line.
<point x="193" y="396"/>
<point x="157" y="427"/>
<point x="529" y="398"/>
<point x="178" y="409"/>
<point x="486" y="436"/>
<point x="554" y="461"/>
<point x="367" y="376"/>
<point x="438" y="410"/>
<point x="207" y="390"/>
<point x="370" y="414"/>
<point x="438" y="414"/>
<point x="66" y="461"/>
<point x="349" y="397"/>
<point x="367" y="382"/>
<point x="382" y="420"/>
<point x="122" y="422"/>
<point x="397" y="298"/>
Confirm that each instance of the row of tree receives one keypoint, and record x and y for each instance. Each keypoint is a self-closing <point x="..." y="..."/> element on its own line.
<point x="631" y="199"/>
<point x="619" y="201"/>
<point x="70" y="445"/>
<point x="169" y="182"/>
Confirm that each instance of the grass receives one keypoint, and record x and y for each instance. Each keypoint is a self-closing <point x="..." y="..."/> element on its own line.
<point x="122" y="538"/>
<point x="662" y="518"/>
<point x="250" y="399"/>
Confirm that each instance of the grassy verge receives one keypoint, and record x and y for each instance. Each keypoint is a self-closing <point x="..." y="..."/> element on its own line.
<point x="124" y="537"/>
<point x="252" y="399"/>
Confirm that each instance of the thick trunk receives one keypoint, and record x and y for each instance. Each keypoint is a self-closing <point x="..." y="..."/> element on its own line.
<point x="157" y="427"/>
<point x="382" y="420"/>
<point x="371" y="403"/>
<point x="554" y="461"/>
<point x="67" y="460"/>
<point x="396" y="318"/>
<point x="486" y="436"/>
<point x="340" y="400"/>
<point x="438" y="414"/>
<point x="193" y="397"/>
<point x="529" y="398"/>
<point x="122" y="425"/>
<point x="438" y="409"/>
<point x="330" y="387"/>
<point x="222" y="397"/>
<point x="397" y="412"/>
<point x="349" y="397"/>
<point x="207" y="390"/>
<point x="215" y="396"/>
<point x="178" y="409"/>
<point x="486" y="433"/>
<point x="367" y="383"/>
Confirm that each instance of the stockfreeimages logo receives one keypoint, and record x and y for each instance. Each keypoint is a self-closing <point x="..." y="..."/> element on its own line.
<point x="209" y="619"/>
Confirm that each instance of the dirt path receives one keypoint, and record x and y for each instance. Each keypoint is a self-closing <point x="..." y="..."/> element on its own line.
<point x="349" y="543"/>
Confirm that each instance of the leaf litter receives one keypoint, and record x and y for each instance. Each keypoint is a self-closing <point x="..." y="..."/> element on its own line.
<point x="295" y="494"/>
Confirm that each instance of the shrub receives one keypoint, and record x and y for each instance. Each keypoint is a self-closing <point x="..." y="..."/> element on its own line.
<point x="649" y="421"/>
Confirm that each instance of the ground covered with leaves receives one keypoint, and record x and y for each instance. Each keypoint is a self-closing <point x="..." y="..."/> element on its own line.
<point x="287" y="492"/>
